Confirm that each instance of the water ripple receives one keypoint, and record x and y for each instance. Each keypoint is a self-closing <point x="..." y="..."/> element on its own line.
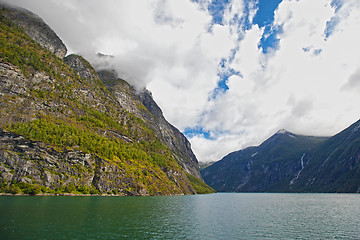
<point x="214" y="216"/>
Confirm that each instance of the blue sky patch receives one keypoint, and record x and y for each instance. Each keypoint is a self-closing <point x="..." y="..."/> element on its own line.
<point x="264" y="18"/>
<point x="200" y="131"/>
<point x="337" y="4"/>
<point x="265" y="13"/>
<point x="196" y="131"/>
<point x="330" y="26"/>
<point x="216" y="9"/>
<point x="270" y="38"/>
<point x="224" y="74"/>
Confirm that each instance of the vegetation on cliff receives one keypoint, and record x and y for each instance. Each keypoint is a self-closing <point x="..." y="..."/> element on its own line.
<point x="71" y="111"/>
<point x="199" y="186"/>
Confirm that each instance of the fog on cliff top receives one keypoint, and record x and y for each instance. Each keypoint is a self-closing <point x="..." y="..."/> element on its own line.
<point x="222" y="75"/>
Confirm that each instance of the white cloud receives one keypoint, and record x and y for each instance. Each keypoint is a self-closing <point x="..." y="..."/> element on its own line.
<point x="236" y="7"/>
<point x="309" y="85"/>
<point x="354" y="82"/>
<point x="290" y="88"/>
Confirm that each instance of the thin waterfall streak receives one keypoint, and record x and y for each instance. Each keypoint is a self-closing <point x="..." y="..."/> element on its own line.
<point x="302" y="167"/>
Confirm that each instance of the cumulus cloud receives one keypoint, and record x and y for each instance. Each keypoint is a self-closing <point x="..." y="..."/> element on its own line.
<point x="297" y="86"/>
<point x="144" y="37"/>
<point x="307" y="82"/>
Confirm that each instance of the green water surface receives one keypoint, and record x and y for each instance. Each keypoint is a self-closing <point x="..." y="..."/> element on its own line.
<point x="214" y="216"/>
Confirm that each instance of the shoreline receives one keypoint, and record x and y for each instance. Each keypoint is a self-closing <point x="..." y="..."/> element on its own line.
<point x="65" y="194"/>
<point x="86" y="195"/>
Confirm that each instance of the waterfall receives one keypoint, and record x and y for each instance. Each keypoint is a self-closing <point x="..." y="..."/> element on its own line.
<point x="302" y="167"/>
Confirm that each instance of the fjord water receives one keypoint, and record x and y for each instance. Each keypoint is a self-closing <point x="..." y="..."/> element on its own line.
<point x="214" y="216"/>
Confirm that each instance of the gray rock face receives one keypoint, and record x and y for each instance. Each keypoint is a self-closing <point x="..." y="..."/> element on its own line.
<point x="154" y="118"/>
<point x="12" y="80"/>
<point x="127" y="98"/>
<point x="27" y="161"/>
<point x="88" y="93"/>
<point x="127" y="159"/>
<point x="15" y="93"/>
<point x="36" y="28"/>
<point x="171" y="136"/>
<point x="82" y="67"/>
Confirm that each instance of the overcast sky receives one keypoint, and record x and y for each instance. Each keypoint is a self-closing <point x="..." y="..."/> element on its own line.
<point x="227" y="73"/>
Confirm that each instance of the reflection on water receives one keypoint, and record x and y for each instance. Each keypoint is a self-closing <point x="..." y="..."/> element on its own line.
<point x="214" y="216"/>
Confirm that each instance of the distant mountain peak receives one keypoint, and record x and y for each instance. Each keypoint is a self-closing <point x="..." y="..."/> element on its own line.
<point x="286" y="162"/>
<point x="285" y="132"/>
<point x="282" y="131"/>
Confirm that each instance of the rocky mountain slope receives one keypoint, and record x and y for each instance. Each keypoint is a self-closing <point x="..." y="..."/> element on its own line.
<point x="291" y="163"/>
<point x="64" y="130"/>
<point x="269" y="167"/>
<point x="334" y="166"/>
<point x="134" y="102"/>
<point x="35" y="28"/>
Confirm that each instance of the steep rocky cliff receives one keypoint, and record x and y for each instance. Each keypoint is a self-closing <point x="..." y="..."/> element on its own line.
<point x="36" y="28"/>
<point x="62" y="130"/>
<point x="152" y="115"/>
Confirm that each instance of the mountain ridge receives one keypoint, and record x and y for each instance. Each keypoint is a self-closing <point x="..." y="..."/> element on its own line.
<point x="153" y="115"/>
<point x="335" y="165"/>
<point x="36" y="28"/>
<point x="64" y="115"/>
<point x="287" y="162"/>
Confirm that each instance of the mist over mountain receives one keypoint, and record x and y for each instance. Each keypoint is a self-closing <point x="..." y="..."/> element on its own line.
<point x="226" y="73"/>
<point x="64" y="128"/>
